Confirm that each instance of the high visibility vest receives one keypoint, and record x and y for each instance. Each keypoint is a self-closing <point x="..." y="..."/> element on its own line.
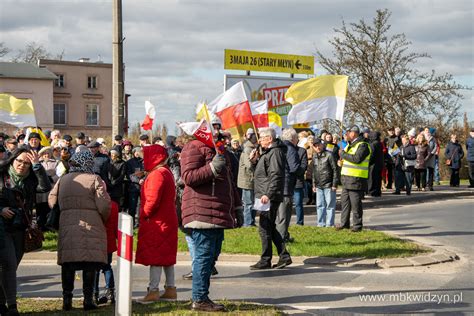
<point x="359" y="170"/>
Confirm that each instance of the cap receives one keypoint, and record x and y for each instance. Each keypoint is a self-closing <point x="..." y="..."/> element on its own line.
<point x="20" y="137"/>
<point x="100" y="140"/>
<point x="118" y="137"/>
<point x="144" y="137"/>
<point x="48" y="149"/>
<point x="354" y="128"/>
<point x="317" y="141"/>
<point x="250" y="131"/>
<point x="93" y="145"/>
<point x="412" y="132"/>
<point x="365" y="130"/>
<point x="67" y="138"/>
<point x="391" y="128"/>
<point x="34" y="135"/>
<point x="80" y="135"/>
<point x="126" y="143"/>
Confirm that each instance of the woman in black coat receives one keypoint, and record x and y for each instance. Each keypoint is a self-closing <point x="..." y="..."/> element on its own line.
<point x="21" y="177"/>
<point x="455" y="154"/>
<point x="408" y="155"/>
<point x="376" y="164"/>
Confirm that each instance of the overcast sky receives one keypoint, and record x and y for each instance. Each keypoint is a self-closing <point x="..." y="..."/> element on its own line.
<point x="174" y="50"/>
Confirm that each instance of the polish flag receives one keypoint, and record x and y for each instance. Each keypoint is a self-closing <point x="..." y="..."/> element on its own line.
<point x="259" y="113"/>
<point x="150" y="116"/>
<point x="232" y="107"/>
<point x="201" y="130"/>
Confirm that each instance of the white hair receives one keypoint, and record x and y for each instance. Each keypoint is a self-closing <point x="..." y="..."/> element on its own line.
<point x="267" y="131"/>
<point x="289" y="134"/>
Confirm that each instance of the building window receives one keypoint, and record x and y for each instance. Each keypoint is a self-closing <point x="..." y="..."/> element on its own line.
<point x="59" y="82"/>
<point x="59" y="114"/>
<point x="92" y="114"/>
<point x="92" y="82"/>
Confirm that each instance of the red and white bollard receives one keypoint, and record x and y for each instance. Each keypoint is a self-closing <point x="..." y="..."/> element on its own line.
<point x="123" y="305"/>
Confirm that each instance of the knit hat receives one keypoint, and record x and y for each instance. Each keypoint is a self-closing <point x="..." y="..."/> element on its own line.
<point x="34" y="135"/>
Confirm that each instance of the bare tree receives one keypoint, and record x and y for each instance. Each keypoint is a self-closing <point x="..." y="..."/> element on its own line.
<point x="3" y="49"/>
<point x="34" y="51"/>
<point x="384" y="87"/>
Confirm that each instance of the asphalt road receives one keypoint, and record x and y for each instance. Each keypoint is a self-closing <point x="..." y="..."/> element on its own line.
<point x="444" y="288"/>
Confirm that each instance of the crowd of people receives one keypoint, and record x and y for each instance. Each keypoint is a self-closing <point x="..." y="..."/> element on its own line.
<point x="181" y="183"/>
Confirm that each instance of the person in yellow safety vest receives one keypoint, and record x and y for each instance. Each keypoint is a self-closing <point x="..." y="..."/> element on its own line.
<point x="354" y="174"/>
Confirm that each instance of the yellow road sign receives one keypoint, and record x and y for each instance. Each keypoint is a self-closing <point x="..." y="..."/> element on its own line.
<point x="258" y="61"/>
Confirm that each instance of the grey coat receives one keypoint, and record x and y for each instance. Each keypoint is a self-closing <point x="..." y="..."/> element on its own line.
<point x="246" y="168"/>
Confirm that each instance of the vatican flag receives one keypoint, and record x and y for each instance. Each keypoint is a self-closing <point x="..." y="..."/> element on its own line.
<point x="16" y="112"/>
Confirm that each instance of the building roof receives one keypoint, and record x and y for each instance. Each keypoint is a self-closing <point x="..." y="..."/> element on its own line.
<point x="84" y="63"/>
<point x="24" y="71"/>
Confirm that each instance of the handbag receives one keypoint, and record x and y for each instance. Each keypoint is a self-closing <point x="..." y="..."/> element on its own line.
<point x="33" y="235"/>
<point x="448" y="162"/>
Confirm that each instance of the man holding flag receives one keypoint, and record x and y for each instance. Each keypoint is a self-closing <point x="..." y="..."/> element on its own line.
<point x="210" y="204"/>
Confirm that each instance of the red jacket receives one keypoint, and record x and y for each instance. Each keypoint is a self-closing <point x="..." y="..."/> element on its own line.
<point x="208" y="202"/>
<point x="158" y="232"/>
<point x="112" y="228"/>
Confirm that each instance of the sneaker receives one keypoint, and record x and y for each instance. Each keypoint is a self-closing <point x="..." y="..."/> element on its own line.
<point x="170" y="294"/>
<point x="214" y="271"/>
<point x="207" y="306"/>
<point x="282" y="263"/>
<point x="260" y="266"/>
<point x="188" y="276"/>
<point x="356" y="230"/>
<point x="431" y="189"/>
<point x="151" y="297"/>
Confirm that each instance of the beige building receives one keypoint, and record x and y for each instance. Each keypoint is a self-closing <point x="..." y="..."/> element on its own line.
<point x="82" y="96"/>
<point x="27" y="81"/>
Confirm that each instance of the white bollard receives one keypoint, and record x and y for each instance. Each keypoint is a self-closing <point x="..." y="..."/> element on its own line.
<point x="123" y="305"/>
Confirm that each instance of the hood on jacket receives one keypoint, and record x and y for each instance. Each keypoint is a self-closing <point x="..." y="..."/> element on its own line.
<point x="373" y="136"/>
<point x="153" y="155"/>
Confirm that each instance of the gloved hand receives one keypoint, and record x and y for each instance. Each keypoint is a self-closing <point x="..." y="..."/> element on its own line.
<point x="239" y="216"/>
<point x="218" y="163"/>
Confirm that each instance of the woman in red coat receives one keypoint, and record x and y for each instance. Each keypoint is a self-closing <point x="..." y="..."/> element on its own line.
<point x="158" y="231"/>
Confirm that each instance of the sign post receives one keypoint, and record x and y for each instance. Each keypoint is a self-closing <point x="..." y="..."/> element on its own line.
<point x="268" y="62"/>
<point x="123" y="305"/>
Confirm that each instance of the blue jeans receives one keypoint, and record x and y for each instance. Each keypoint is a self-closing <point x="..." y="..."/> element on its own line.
<point x="249" y="212"/>
<point x="436" y="169"/>
<point x="190" y="242"/>
<point x="325" y="206"/>
<point x="108" y="275"/>
<point x="207" y="247"/>
<point x="298" y="200"/>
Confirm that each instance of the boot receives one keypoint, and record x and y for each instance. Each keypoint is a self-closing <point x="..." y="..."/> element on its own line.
<point x="88" y="288"/>
<point x="151" y="297"/>
<point x="67" y="281"/>
<point x="170" y="294"/>
<point x="12" y="310"/>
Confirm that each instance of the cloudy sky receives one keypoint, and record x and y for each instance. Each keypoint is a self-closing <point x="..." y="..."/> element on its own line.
<point x="174" y="50"/>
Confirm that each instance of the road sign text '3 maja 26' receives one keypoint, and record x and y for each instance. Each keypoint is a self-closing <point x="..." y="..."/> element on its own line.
<point x="269" y="62"/>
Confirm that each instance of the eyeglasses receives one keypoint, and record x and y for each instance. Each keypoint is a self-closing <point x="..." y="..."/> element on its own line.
<point x="23" y="162"/>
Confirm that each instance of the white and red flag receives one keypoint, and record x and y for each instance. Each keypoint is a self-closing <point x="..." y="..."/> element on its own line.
<point x="201" y="130"/>
<point x="232" y="107"/>
<point x="150" y="116"/>
<point x="259" y="113"/>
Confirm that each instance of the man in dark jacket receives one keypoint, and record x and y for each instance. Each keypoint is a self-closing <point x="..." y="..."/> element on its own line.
<point x="470" y="157"/>
<point x="290" y="139"/>
<point x="375" y="165"/>
<point x="298" y="195"/>
<point x="354" y="174"/>
<point x="210" y="204"/>
<point x="324" y="183"/>
<point x="392" y="141"/>
<point x="269" y="178"/>
<point x="101" y="163"/>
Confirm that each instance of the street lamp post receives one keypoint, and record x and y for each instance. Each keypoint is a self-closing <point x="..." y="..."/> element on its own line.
<point x="117" y="70"/>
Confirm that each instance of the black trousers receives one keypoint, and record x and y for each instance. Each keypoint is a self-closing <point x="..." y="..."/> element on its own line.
<point x="375" y="181"/>
<point x="430" y="172"/>
<point x="68" y="273"/>
<point x="351" y="201"/>
<point x="42" y="211"/>
<point x="471" y="173"/>
<point x="269" y="233"/>
<point x="454" y="179"/>
<point x="390" y="173"/>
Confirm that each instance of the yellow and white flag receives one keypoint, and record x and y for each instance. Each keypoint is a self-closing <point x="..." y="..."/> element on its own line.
<point x="16" y="112"/>
<point x="274" y="121"/>
<point x="317" y="98"/>
<point x="202" y="112"/>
